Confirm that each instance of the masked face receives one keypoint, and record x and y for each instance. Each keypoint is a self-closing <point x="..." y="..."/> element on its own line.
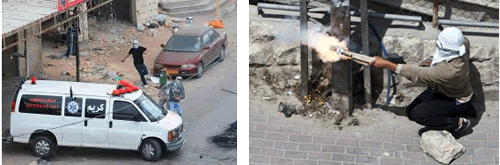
<point x="135" y="45"/>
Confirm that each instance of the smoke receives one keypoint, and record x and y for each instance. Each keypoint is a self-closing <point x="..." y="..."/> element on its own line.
<point x="288" y="31"/>
<point x="321" y="42"/>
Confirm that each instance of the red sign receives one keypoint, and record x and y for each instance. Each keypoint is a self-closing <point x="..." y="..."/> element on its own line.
<point x="65" y="4"/>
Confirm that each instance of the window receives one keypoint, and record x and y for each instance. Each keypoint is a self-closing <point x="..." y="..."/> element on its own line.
<point x="206" y="39"/>
<point x="73" y="107"/>
<point x="125" y="111"/>
<point x="94" y="108"/>
<point x="40" y="104"/>
<point x="213" y="35"/>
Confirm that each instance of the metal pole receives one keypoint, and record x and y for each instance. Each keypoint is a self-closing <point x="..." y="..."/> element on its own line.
<point x="435" y="14"/>
<point x="304" y="49"/>
<point x="366" y="51"/>
<point x="353" y="13"/>
<point x="468" y="23"/>
<point x="342" y="70"/>
<point x="390" y="16"/>
<point x="26" y="58"/>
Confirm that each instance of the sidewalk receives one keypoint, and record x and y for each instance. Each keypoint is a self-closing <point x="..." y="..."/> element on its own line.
<point x="298" y="140"/>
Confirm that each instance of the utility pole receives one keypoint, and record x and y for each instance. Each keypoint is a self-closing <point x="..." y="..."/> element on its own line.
<point x="303" y="49"/>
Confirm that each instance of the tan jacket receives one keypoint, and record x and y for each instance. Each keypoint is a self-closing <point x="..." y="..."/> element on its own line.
<point x="449" y="78"/>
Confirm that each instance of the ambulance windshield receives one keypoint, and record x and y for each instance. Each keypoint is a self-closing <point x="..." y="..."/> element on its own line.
<point x="150" y="108"/>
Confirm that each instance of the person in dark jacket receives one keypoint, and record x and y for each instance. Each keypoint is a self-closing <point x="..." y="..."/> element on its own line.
<point x="138" y="52"/>
<point x="176" y="94"/>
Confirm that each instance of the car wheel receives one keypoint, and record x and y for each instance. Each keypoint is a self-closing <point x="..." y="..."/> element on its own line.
<point x="43" y="146"/>
<point x="199" y="71"/>
<point x="150" y="150"/>
<point x="222" y="54"/>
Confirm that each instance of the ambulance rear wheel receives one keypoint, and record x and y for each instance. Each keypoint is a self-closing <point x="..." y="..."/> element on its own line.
<point x="43" y="146"/>
<point x="150" y="150"/>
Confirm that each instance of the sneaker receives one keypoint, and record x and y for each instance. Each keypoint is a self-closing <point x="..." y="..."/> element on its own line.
<point x="463" y="127"/>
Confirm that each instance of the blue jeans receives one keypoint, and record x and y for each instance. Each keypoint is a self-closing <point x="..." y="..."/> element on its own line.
<point x="177" y="106"/>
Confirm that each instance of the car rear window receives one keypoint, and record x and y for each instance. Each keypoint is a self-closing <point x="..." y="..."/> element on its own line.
<point x="183" y="44"/>
<point x="40" y="104"/>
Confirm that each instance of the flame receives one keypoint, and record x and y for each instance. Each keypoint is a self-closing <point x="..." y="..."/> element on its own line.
<point x="322" y="42"/>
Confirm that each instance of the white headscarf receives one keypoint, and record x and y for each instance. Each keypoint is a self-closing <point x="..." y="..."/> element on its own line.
<point x="450" y="45"/>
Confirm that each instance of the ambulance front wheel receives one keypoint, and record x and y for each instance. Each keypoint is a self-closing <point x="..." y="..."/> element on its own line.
<point x="43" y="146"/>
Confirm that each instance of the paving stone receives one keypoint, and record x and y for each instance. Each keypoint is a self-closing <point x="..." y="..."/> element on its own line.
<point x="254" y="150"/>
<point x="486" y="152"/>
<point x="396" y="147"/>
<point x="323" y="140"/>
<point x="337" y="134"/>
<point x="471" y="144"/>
<point x="329" y="163"/>
<point x="281" y="161"/>
<point x="490" y="144"/>
<point x="464" y="159"/>
<point x="343" y="157"/>
<point x="261" y="143"/>
<point x="493" y="136"/>
<point x="330" y="148"/>
<point x="319" y="156"/>
<point x="482" y="159"/>
<point x="258" y="118"/>
<point x="271" y="152"/>
<point x="411" y="162"/>
<point x="259" y="159"/>
<point x="370" y="144"/>
<point x="290" y="129"/>
<point x="477" y="136"/>
<point x="413" y="148"/>
<point x="413" y="156"/>
<point x="390" y="161"/>
<point x="366" y="159"/>
<point x="296" y="154"/>
<point x="267" y="127"/>
<point x="382" y="153"/>
<point x="358" y="135"/>
<point x="257" y="134"/>
<point x="401" y="140"/>
<point x="305" y="162"/>
<point x="347" y="142"/>
<point x="285" y="145"/>
<point x="276" y="136"/>
<point x="358" y="151"/>
<point x="313" y="132"/>
<point x="251" y="126"/>
<point x="309" y="147"/>
<point x="300" y="138"/>
<point x="482" y="129"/>
<point x="377" y="137"/>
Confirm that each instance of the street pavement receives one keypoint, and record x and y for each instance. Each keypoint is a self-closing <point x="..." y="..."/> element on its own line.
<point x="299" y="140"/>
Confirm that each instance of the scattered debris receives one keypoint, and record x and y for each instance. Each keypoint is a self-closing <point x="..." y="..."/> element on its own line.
<point x="228" y="138"/>
<point x="65" y="73"/>
<point x="40" y="161"/>
<point x="441" y="146"/>
<point x="286" y="109"/>
<point x="140" y="28"/>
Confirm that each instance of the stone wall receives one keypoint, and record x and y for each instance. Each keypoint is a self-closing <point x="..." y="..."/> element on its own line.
<point x="34" y="53"/>
<point x="142" y="10"/>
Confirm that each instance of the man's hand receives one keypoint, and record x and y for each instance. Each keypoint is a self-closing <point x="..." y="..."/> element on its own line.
<point x="379" y="62"/>
<point x="425" y="64"/>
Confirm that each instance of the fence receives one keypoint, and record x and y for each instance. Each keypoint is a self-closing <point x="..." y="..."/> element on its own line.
<point x="484" y="11"/>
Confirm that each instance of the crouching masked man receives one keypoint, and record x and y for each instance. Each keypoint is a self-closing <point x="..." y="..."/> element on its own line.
<point x="447" y="101"/>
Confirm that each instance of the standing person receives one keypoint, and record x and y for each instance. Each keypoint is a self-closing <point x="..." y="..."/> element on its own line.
<point x="164" y="91"/>
<point x="137" y="52"/>
<point x="447" y="102"/>
<point x="176" y="94"/>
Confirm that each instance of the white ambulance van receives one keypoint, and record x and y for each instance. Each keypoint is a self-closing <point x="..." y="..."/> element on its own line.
<point x="48" y="114"/>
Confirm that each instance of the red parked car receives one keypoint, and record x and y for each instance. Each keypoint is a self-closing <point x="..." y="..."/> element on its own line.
<point x="191" y="50"/>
